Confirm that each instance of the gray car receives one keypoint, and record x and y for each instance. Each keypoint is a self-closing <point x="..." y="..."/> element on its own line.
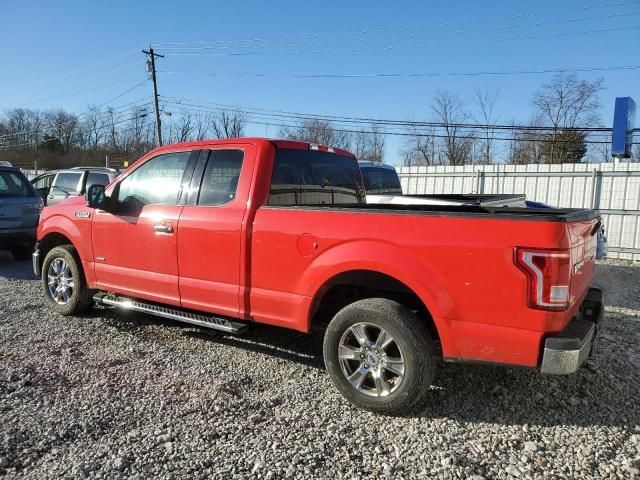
<point x="20" y="208"/>
<point x="75" y="181"/>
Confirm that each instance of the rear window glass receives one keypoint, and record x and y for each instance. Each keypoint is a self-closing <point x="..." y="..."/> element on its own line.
<point x="67" y="182"/>
<point x="310" y="177"/>
<point x="96" y="178"/>
<point x="380" y="180"/>
<point x="13" y="184"/>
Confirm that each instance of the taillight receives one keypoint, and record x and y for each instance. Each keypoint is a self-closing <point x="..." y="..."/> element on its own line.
<point x="549" y="275"/>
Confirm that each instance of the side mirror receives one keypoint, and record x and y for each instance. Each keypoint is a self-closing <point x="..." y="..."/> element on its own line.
<point x="95" y="197"/>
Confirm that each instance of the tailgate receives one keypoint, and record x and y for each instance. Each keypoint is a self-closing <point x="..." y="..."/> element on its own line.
<point x="583" y="244"/>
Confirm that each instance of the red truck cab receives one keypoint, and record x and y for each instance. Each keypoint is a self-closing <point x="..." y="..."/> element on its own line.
<point x="226" y="233"/>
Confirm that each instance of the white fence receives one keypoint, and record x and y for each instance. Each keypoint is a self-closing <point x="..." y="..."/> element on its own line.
<point x="611" y="188"/>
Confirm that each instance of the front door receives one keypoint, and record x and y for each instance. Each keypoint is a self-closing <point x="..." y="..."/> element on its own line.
<point x="134" y="244"/>
<point x="211" y="233"/>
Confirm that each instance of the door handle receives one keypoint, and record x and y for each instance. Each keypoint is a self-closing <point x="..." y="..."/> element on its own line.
<point x="162" y="228"/>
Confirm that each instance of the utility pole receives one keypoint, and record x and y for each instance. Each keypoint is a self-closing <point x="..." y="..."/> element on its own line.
<point x="151" y="66"/>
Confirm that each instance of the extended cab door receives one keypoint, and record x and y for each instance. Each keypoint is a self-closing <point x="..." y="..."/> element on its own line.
<point x="134" y="243"/>
<point x="212" y="235"/>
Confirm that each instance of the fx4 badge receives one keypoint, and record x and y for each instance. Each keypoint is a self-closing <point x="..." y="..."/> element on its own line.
<point x="82" y="214"/>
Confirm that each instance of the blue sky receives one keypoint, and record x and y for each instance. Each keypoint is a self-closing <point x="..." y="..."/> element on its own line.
<point x="65" y="48"/>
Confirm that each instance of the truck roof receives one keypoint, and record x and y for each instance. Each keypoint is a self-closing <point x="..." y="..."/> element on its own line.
<point x="289" y="144"/>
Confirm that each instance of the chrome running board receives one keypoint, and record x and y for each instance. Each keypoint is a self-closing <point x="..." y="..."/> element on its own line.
<point x="201" y="320"/>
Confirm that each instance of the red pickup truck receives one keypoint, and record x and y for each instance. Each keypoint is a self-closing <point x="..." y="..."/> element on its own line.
<point x="222" y="234"/>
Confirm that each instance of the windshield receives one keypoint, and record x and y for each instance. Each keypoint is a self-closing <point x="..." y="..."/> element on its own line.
<point x="380" y="180"/>
<point x="13" y="184"/>
<point x="311" y="177"/>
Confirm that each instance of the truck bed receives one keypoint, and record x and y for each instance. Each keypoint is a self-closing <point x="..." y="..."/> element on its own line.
<point x="497" y="200"/>
<point x="475" y="211"/>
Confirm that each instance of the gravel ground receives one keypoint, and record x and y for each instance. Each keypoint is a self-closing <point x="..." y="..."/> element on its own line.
<point x="114" y="396"/>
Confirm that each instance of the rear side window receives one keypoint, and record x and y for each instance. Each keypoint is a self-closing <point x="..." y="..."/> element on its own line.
<point x="311" y="177"/>
<point x="380" y="180"/>
<point x="67" y="182"/>
<point x="220" y="182"/>
<point x="13" y="185"/>
<point x="97" y="178"/>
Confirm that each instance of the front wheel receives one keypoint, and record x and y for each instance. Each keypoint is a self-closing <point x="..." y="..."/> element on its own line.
<point x="380" y="356"/>
<point x="65" y="287"/>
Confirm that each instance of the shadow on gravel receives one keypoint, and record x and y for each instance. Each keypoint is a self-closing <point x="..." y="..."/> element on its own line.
<point x="304" y="349"/>
<point x="15" y="270"/>
<point x="468" y="393"/>
<point x="276" y="342"/>
<point x="620" y="284"/>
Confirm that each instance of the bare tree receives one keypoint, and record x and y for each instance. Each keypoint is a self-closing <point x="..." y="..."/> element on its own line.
<point x="92" y="126"/>
<point x="485" y="101"/>
<point x="526" y="146"/>
<point x="62" y="125"/>
<point x="109" y="127"/>
<point x="228" y="124"/>
<point x="138" y="130"/>
<point x="184" y="127"/>
<point x="420" y="148"/>
<point x="200" y="127"/>
<point x="320" y="132"/>
<point x="369" y="145"/>
<point x="450" y="110"/>
<point x="567" y="103"/>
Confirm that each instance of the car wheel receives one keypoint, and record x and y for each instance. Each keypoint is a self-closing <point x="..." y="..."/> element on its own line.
<point x="380" y="356"/>
<point x="22" y="252"/>
<point x="65" y="287"/>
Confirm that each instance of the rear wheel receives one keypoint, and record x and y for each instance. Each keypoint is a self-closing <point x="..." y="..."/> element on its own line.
<point x="65" y="287"/>
<point x="380" y="356"/>
<point x="22" y="252"/>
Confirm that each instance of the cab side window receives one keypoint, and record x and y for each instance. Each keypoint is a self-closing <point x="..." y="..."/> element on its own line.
<point x="220" y="180"/>
<point x="156" y="182"/>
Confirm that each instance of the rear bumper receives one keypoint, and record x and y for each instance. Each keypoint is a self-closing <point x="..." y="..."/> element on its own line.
<point x="17" y="237"/>
<point x="565" y="352"/>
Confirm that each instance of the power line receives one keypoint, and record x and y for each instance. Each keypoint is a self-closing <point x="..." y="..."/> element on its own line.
<point x="102" y="116"/>
<point x="405" y="75"/>
<point x="83" y="91"/>
<point x="53" y="137"/>
<point x="410" y="27"/>
<point x="424" y="135"/>
<point x="413" y="35"/>
<point x="419" y="45"/>
<point x="360" y="120"/>
<point x="91" y="66"/>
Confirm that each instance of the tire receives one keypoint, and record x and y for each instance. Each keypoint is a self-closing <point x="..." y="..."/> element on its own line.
<point x="78" y="297"/>
<point x="22" y="252"/>
<point x="400" y="388"/>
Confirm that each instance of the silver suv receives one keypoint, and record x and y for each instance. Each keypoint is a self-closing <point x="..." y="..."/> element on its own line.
<point x="75" y="181"/>
<point x="20" y="208"/>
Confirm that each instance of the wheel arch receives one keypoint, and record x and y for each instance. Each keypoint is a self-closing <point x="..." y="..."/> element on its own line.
<point x="59" y="230"/>
<point x="378" y="269"/>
